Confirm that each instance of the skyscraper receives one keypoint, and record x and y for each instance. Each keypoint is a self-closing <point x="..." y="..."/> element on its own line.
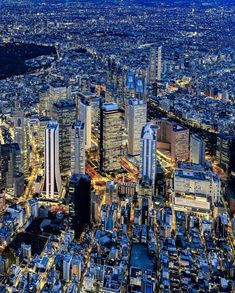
<point x="78" y="148"/>
<point x="159" y="63"/>
<point x="137" y="116"/>
<point x="173" y="140"/>
<point x="85" y="117"/>
<point x="80" y="202"/>
<point x="52" y="178"/>
<point x="225" y="153"/>
<point x="155" y="65"/>
<point x="64" y="111"/>
<point x="148" y="154"/>
<point x="10" y="164"/>
<point x="110" y="144"/>
<point x="152" y="65"/>
<point x="197" y="150"/>
<point x="21" y="137"/>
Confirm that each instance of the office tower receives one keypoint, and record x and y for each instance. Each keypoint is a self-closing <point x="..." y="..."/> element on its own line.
<point x="85" y="117"/>
<point x="148" y="149"/>
<point x="64" y="112"/>
<point x="110" y="144"/>
<point x="11" y="164"/>
<point x="4" y="265"/>
<point x="152" y="65"/>
<point x="224" y="152"/>
<point x="78" y="148"/>
<point x="37" y="126"/>
<point x="18" y="184"/>
<point x="225" y="156"/>
<point x="34" y="208"/>
<point x="67" y="267"/>
<point x="21" y="136"/>
<point x="52" y="178"/>
<point x="145" y="211"/>
<point x="140" y="86"/>
<point x="130" y="84"/>
<point x="173" y="140"/>
<point x="59" y="91"/>
<point x="94" y="101"/>
<point x="2" y="200"/>
<point x="26" y="250"/>
<point x="44" y="102"/>
<point x="159" y="63"/>
<point x="80" y="203"/>
<point x="76" y="270"/>
<point x="197" y="150"/>
<point x="137" y="117"/>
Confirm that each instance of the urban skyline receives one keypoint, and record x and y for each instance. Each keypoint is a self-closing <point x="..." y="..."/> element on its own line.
<point x="117" y="146"/>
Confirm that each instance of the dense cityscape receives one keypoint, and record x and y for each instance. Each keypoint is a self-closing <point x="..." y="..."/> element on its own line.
<point x="117" y="146"/>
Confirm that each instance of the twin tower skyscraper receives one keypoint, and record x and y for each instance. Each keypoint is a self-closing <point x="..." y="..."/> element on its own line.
<point x="52" y="174"/>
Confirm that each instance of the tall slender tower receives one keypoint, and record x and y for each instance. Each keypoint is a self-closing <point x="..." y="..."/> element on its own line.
<point x="159" y="63"/>
<point x="21" y="136"/>
<point x="78" y="147"/>
<point x="85" y="117"/>
<point x="137" y="118"/>
<point x="52" y="178"/>
<point x="148" y="154"/>
<point x="153" y="65"/>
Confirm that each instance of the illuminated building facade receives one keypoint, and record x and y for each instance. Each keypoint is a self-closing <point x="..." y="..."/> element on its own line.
<point x="11" y="164"/>
<point x="137" y="117"/>
<point x="52" y="178"/>
<point x="148" y="154"/>
<point x="64" y="112"/>
<point x="110" y="144"/>
<point x="197" y="150"/>
<point x="173" y="140"/>
<point x="86" y="117"/>
<point x="78" y="148"/>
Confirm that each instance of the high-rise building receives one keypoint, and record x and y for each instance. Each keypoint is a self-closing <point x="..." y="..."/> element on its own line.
<point x="225" y="152"/>
<point x="44" y="102"/>
<point x="148" y="154"/>
<point x="58" y="91"/>
<point x="67" y="267"/>
<point x="86" y="118"/>
<point x="197" y="150"/>
<point x="37" y="126"/>
<point x="80" y="203"/>
<point x="137" y="116"/>
<point x="78" y="148"/>
<point x="2" y="200"/>
<point x="152" y="65"/>
<point x="144" y="211"/>
<point x="19" y="184"/>
<point x="64" y="111"/>
<point x="155" y="65"/>
<point x="110" y="144"/>
<point x="21" y="136"/>
<point x="10" y="164"/>
<point x="52" y="177"/>
<point x="159" y="63"/>
<point x="173" y="140"/>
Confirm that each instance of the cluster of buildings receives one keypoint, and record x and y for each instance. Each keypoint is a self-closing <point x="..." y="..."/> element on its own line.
<point x="117" y="153"/>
